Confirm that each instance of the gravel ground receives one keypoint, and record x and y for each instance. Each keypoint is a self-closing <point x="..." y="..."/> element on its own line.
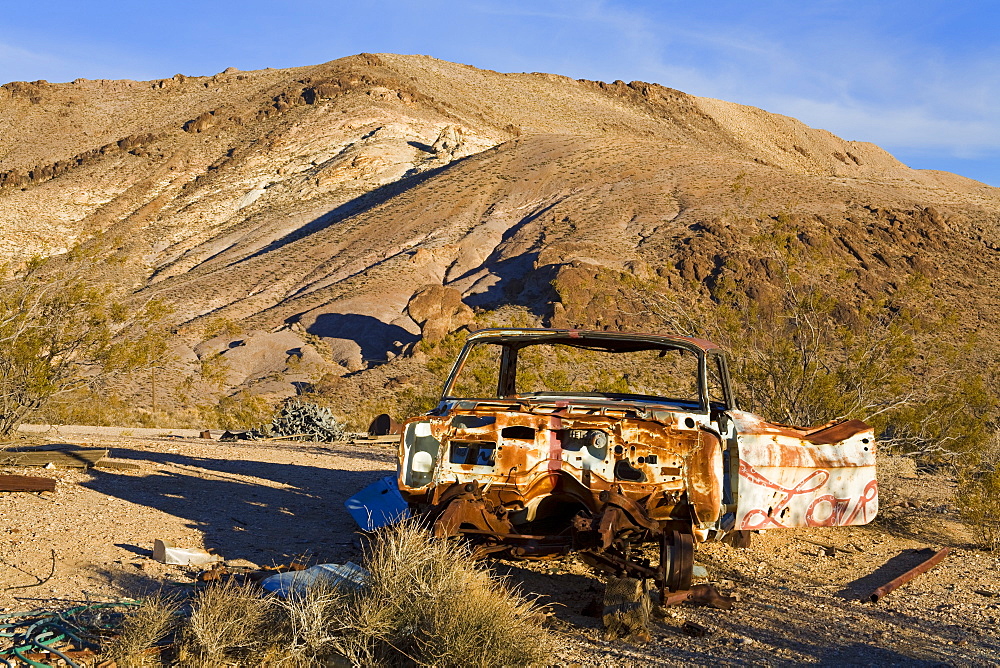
<point x="267" y="503"/>
<point x="254" y="503"/>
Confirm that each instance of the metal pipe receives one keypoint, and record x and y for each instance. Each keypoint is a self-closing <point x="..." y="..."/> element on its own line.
<point x="890" y="586"/>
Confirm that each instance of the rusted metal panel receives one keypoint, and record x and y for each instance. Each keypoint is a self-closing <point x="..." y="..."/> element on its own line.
<point x="23" y="483"/>
<point x="786" y="480"/>
<point x="703" y="478"/>
<point x="642" y="458"/>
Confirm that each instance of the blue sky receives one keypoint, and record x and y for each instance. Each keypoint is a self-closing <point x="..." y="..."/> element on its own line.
<point x="920" y="78"/>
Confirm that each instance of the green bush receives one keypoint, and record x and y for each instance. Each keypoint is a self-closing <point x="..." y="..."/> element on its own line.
<point x="978" y="494"/>
<point x="63" y="329"/>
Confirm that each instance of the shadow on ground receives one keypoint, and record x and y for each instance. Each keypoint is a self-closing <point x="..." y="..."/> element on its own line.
<point x="861" y="588"/>
<point x="567" y="595"/>
<point x="303" y="514"/>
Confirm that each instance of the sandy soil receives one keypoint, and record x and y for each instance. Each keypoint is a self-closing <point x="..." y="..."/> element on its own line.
<point x="254" y="503"/>
<point x="267" y="503"/>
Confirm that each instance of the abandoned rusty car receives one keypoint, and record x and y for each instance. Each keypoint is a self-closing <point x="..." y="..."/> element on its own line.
<point x="551" y="441"/>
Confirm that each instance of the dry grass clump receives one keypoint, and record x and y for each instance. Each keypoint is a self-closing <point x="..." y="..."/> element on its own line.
<point x="227" y="627"/>
<point x="142" y="629"/>
<point x="311" y="625"/>
<point x="425" y="602"/>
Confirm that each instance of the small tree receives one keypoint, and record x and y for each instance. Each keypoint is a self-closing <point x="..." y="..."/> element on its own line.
<point x="61" y="329"/>
<point x="978" y="494"/>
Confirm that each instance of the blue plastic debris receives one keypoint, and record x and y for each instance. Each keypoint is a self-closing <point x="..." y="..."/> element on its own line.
<point x="377" y="505"/>
<point x="348" y="575"/>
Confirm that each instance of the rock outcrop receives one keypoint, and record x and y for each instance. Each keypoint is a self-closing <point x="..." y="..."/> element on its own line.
<point x="439" y="311"/>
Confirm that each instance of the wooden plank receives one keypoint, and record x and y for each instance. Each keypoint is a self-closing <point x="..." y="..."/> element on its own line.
<point x="76" y="458"/>
<point x="376" y="440"/>
<point x="24" y="483"/>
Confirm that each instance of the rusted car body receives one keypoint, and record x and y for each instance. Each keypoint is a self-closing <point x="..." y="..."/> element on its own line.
<point x="551" y="441"/>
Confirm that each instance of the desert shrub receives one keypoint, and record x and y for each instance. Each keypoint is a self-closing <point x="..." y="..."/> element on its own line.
<point x="105" y="407"/>
<point x="213" y="370"/>
<point x="978" y="494"/>
<point x="425" y="602"/>
<point x="64" y="328"/>
<point x="978" y="500"/>
<point x="142" y="630"/>
<point x="310" y="624"/>
<point x="91" y="406"/>
<point x="799" y="353"/>
<point x="806" y="346"/>
<point x="242" y="410"/>
<point x="222" y="326"/>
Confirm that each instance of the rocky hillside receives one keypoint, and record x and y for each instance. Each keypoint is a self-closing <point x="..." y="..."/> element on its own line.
<point x="312" y="204"/>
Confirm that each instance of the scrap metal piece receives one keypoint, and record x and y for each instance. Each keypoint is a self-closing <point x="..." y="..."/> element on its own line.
<point x="384" y="425"/>
<point x="676" y="561"/>
<point x="377" y="505"/>
<point x="830" y="549"/>
<point x="24" y="483"/>
<point x="166" y="552"/>
<point x="795" y="477"/>
<point x="215" y="573"/>
<point x="694" y="629"/>
<point x="702" y="594"/>
<point x="346" y="576"/>
<point x="895" y="583"/>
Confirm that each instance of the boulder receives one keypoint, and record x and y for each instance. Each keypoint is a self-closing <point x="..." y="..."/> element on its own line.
<point x="439" y="310"/>
<point x="449" y="142"/>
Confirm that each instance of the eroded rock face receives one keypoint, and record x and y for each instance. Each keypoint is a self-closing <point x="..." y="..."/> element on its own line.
<point x="257" y="355"/>
<point x="438" y="310"/>
<point x="450" y="141"/>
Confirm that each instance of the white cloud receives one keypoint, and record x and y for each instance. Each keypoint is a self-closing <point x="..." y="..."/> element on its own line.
<point x="15" y="59"/>
<point x="860" y="87"/>
<point x="911" y="127"/>
<point x="59" y="64"/>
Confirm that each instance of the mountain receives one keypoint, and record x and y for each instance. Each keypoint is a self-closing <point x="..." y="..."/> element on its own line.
<point x="311" y="204"/>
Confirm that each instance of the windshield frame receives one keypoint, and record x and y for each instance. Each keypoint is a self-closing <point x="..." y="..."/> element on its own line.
<point x="513" y="340"/>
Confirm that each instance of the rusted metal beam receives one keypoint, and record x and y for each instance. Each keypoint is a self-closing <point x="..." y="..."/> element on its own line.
<point x="702" y="594"/>
<point x="894" y="584"/>
<point x="23" y="483"/>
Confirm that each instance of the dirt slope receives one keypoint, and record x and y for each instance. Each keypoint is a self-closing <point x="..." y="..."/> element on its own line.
<point x="322" y="198"/>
